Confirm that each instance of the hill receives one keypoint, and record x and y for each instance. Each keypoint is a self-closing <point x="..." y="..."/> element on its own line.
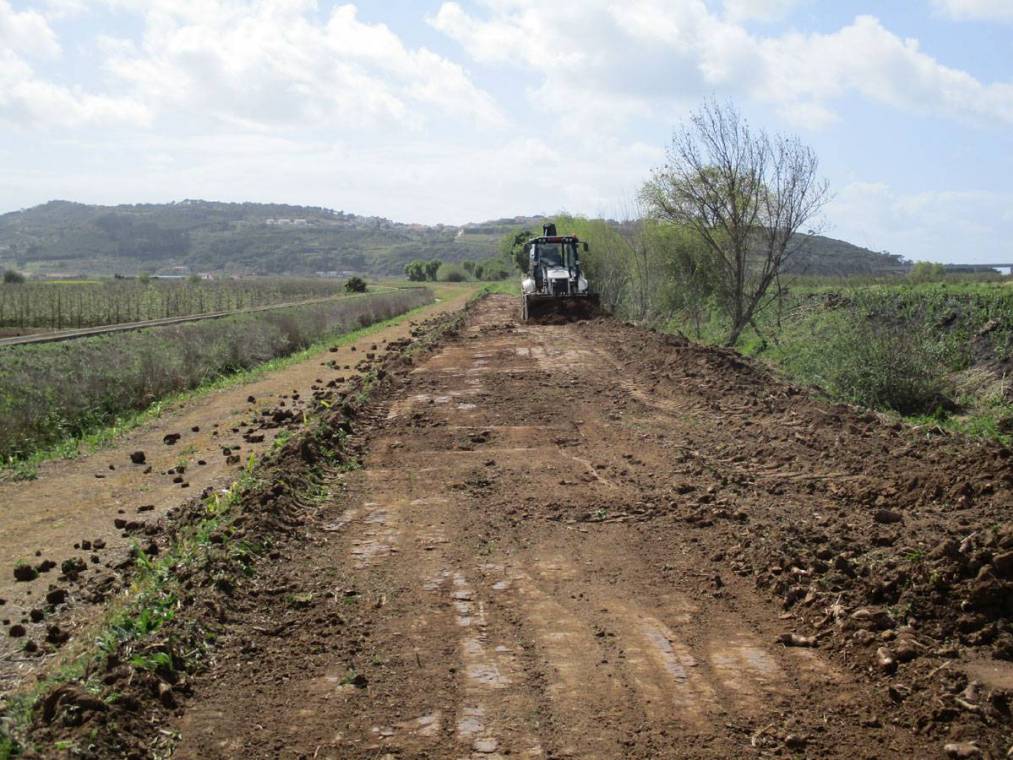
<point x="825" y="256"/>
<point x="258" y="238"/>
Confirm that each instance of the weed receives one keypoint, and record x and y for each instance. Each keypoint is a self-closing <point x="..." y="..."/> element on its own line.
<point x="19" y="470"/>
<point x="153" y="662"/>
<point x="8" y="748"/>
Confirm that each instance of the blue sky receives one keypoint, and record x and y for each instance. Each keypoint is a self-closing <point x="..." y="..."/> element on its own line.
<point x="450" y="112"/>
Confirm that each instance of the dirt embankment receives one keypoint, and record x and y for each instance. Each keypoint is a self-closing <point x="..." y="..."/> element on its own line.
<point x="589" y="541"/>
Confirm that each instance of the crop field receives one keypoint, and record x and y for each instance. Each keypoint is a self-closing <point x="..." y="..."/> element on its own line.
<point x="57" y="391"/>
<point x="64" y="304"/>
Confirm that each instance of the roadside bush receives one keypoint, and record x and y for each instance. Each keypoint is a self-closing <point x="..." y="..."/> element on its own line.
<point x="355" y="285"/>
<point x="869" y="362"/>
<point x="57" y="390"/>
<point x="12" y="277"/>
<point x="926" y="271"/>
<point x="451" y="273"/>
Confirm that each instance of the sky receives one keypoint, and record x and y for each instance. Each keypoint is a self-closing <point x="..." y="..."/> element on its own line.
<point x="432" y="111"/>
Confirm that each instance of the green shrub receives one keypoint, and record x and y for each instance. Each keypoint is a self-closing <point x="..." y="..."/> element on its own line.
<point x="878" y="364"/>
<point x="926" y="271"/>
<point x="451" y="273"/>
<point x="355" y="285"/>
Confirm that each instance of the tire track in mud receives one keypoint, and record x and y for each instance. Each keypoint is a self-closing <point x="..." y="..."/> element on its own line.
<point x="497" y="623"/>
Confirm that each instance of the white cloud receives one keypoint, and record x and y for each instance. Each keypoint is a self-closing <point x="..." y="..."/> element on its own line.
<point x="26" y="32"/>
<point x="268" y="63"/>
<point x="946" y="226"/>
<point x="763" y="10"/>
<point x="646" y="56"/>
<point x="29" y="100"/>
<point x="975" y="10"/>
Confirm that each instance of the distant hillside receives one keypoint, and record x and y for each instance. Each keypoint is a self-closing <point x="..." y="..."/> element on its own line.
<point x="825" y="256"/>
<point x="250" y="238"/>
<point x="258" y="238"/>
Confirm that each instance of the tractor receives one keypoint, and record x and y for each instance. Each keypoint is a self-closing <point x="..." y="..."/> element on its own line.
<point x="554" y="286"/>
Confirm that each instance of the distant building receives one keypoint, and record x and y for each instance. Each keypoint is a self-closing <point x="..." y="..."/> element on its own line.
<point x="287" y="222"/>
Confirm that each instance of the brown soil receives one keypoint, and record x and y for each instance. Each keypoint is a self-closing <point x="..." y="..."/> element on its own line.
<point x="588" y="540"/>
<point x="96" y="507"/>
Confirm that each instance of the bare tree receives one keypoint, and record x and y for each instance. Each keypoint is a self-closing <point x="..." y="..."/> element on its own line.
<point x="747" y="194"/>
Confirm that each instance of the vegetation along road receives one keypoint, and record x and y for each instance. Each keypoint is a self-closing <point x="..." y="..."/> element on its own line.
<point x="576" y="540"/>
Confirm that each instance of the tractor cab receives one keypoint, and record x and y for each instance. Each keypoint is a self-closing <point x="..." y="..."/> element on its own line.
<point x="554" y="264"/>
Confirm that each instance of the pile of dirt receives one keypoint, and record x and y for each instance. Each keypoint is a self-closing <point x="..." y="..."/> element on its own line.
<point x="903" y="568"/>
<point x="111" y="709"/>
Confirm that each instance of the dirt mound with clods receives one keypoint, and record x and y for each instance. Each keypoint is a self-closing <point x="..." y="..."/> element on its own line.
<point x="887" y="542"/>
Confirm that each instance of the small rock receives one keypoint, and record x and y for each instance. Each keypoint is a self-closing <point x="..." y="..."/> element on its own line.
<point x="138" y="457"/>
<point x="1003" y="565"/>
<point x="486" y="745"/>
<point x="16" y="631"/>
<point x="887" y="516"/>
<point x="961" y="749"/>
<point x="907" y="650"/>
<point x="56" y="596"/>
<point x="795" y="742"/>
<point x="796" y="640"/>
<point x="25" y="573"/>
<point x="56" y="636"/>
<point x="165" y="695"/>
<point x="886" y="661"/>
<point x="171" y="439"/>
<point x="71" y="567"/>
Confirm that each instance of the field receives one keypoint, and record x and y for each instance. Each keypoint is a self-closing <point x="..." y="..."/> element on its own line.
<point x="62" y="391"/>
<point x="89" y="303"/>
<point x="583" y="540"/>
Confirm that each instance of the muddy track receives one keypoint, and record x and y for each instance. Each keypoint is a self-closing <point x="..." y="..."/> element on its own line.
<point x="590" y="541"/>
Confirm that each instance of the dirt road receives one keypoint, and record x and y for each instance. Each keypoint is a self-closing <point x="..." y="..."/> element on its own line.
<point x="551" y="551"/>
<point x="97" y="506"/>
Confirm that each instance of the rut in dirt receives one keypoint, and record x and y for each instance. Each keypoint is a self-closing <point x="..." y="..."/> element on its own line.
<point x="545" y="554"/>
